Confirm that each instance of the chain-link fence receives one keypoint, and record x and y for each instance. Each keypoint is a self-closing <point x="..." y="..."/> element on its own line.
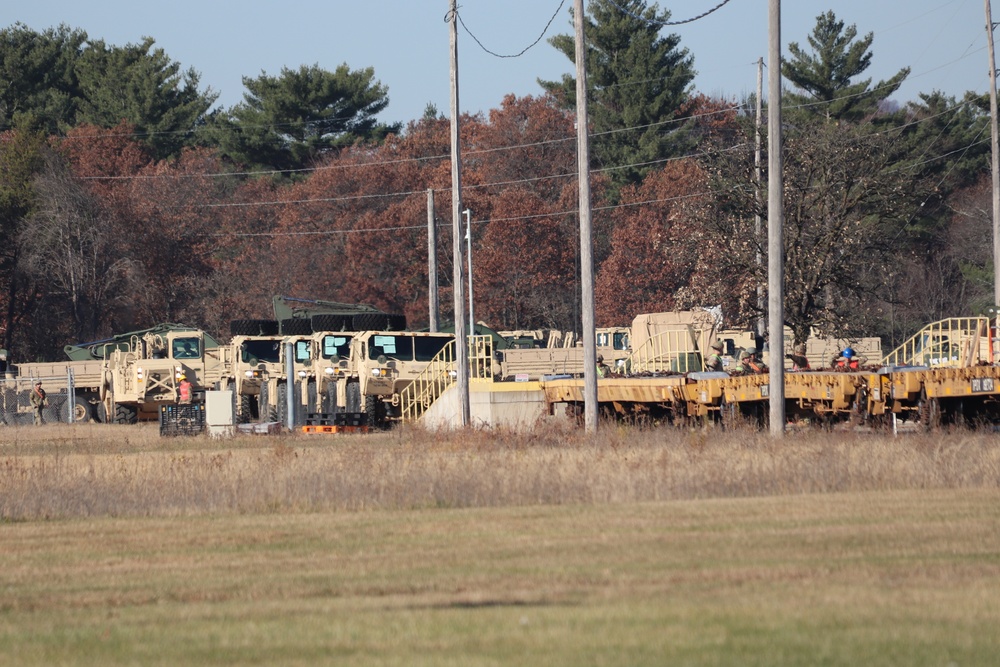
<point x="16" y="407"/>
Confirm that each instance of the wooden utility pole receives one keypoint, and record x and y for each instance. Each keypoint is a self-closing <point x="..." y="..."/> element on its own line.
<point x="432" y="265"/>
<point x="586" y="229"/>
<point x="758" y="222"/>
<point x="994" y="148"/>
<point x="461" y="342"/>
<point x="775" y="226"/>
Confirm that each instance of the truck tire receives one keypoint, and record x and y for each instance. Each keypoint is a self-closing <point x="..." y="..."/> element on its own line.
<point x="246" y="405"/>
<point x="83" y="410"/>
<point x="282" y="410"/>
<point x="253" y="328"/>
<point x="329" y="322"/>
<point x="353" y="397"/>
<point x="374" y="411"/>
<point x="378" y="322"/>
<point x="265" y="412"/>
<point x="125" y="414"/>
<point x="330" y="400"/>
<point x="311" y="404"/>
<point x="295" y="327"/>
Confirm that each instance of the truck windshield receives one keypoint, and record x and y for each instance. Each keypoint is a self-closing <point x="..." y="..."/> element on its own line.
<point x="406" y="348"/>
<point x="256" y="351"/>
<point x="186" y="348"/>
<point x="339" y="346"/>
<point x="427" y="347"/>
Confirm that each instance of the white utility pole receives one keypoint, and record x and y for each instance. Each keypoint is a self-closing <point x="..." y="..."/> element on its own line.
<point x="468" y="251"/>
<point x="586" y="230"/>
<point x="775" y="226"/>
<point x="995" y="155"/>
<point x="432" y="265"/>
<point x="758" y="221"/>
<point x="461" y="342"/>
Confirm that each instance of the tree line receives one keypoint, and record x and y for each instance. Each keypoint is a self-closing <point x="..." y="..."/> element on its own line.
<point x="126" y="201"/>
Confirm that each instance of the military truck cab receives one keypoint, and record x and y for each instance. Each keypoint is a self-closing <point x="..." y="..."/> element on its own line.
<point x="145" y="371"/>
<point x="386" y="362"/>
<point x="256" y="359"/>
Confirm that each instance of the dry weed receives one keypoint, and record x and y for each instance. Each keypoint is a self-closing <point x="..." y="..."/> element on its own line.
<point x="116" y="471"/>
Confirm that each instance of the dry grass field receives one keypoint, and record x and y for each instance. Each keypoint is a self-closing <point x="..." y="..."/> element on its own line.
<point x="486" y="548"/>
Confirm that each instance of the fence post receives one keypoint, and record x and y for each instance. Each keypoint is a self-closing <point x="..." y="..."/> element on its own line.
<point x="70" y="396"/>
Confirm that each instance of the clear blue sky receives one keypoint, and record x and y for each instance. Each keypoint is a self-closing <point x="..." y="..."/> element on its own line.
<point x="406" y="41"/>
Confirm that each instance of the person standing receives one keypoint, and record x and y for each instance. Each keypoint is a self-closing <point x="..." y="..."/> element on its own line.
<point x="714" y="361"/>
<point x="849" y="360"/>
<point x="798" y="357"/>
<point x="184" y="391"/>
<point x="39" y="401"/>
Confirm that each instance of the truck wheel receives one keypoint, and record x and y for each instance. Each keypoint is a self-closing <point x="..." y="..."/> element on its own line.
<point x="253" y="328"/>
<point x="330" y="402"/>
<point x="265" y="412"/>
<point x="929" y="410"/>
<point x="245" y="415"/>
<point x="296" y="327"/>
<point x="378" y="322"/>
<point x="353" y="397"/>
<point x="330" y="322"/>
<point x="125" y="414"/>
<point x="311" y="396"/>
<point x="374" y="411"/>
<point x="83" y="411"/>
<point x="282" y="410"/>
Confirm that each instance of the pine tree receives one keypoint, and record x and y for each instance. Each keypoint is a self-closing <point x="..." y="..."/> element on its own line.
<point x="827" y="76"/>
<point x="638" y="82"/>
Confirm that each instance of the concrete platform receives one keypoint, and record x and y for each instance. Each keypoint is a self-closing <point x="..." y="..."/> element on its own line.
<point x="514" y="405"/>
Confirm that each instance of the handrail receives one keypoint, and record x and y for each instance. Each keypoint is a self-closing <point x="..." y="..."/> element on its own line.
<point x="439" y="376"/>
<point x="956" y="342"/>
<point x="674" y="350"/>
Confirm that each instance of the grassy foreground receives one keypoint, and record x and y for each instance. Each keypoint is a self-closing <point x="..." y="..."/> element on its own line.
<point x="891" y="563"/>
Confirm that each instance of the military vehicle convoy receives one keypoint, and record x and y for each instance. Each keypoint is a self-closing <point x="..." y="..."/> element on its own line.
<point x="324" y="358"/>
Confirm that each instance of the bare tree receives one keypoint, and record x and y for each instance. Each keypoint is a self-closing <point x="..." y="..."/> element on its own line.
<point x="70" y="249"/>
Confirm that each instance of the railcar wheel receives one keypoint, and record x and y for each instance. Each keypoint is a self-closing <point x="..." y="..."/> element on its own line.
<point x="929" y="410"/>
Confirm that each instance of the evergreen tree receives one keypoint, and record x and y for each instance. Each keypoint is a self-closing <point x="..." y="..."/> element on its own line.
<point x="38" y="76"/>
<point x="287" y="121"/>
<point x="638" y="82"/>
<point x="827" y="76"/>
<point x="141" y="85"/>
<point x="58" y="80"/>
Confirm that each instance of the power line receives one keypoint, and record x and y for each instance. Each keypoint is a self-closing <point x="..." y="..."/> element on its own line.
<point x="669" y="23"/>
<point x="513" y="55"/>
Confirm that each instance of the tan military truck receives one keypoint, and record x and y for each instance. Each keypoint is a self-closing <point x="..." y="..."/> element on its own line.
<point x="256" y="359"/>
<point x="126" y="378"/>
<point x="380" y="366"/>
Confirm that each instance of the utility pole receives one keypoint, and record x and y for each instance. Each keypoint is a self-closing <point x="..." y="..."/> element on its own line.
<point x="461" y="341"/>
<point x="468" y="251"/>
<point x="432" y="265"/>
<point x="995" y="155"/>
<point x="586" y="230"/>
<point x="775" y="226"/>
<point x="758" y="222"/>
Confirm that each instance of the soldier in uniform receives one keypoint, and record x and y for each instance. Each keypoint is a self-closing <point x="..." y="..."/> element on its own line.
<point x="798" y="357"/>
<point x="603" y="370"/>
<point x="750" y="363"/>
<point x="714" y="361"/>
<point x="39" y="401"/>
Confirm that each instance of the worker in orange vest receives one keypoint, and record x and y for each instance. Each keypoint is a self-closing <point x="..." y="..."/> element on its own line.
<point x="184" y="390"/>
